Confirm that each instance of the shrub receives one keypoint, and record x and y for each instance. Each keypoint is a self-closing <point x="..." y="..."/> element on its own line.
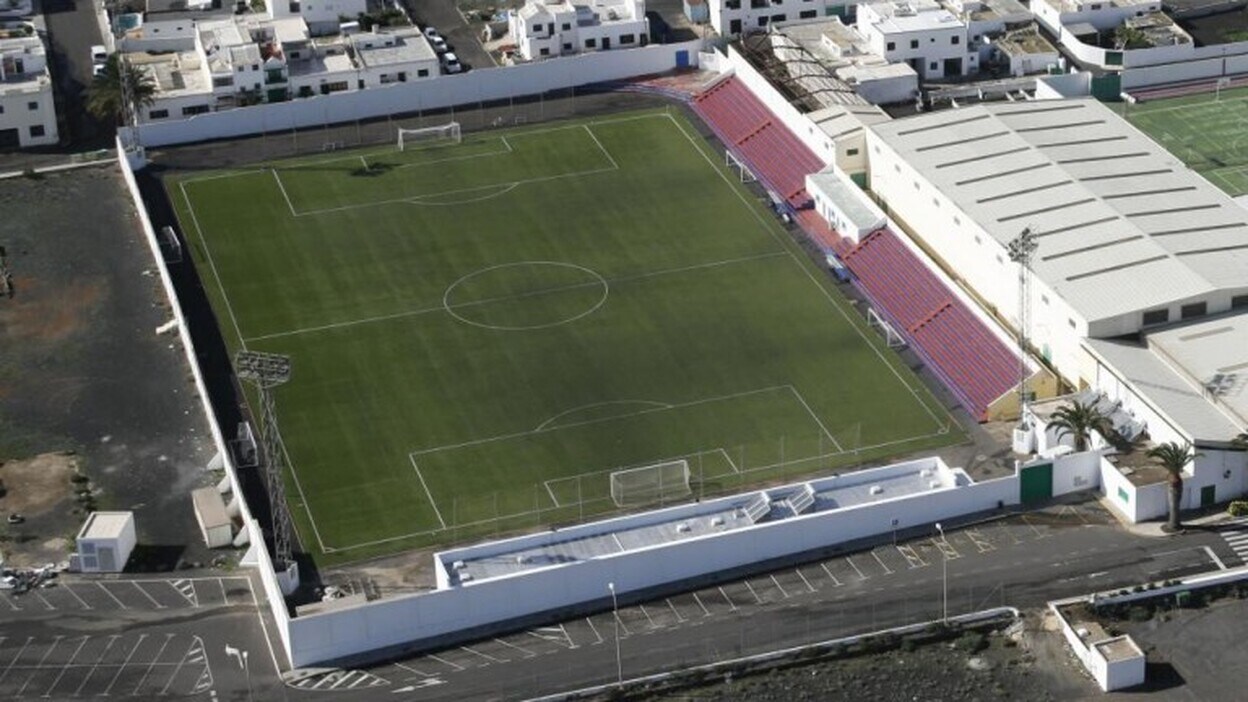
<point x="1238" y="508"/>
<point x="908" y="645"/>
<point x="1140" y="613"/>
<point x="972" y="642"/>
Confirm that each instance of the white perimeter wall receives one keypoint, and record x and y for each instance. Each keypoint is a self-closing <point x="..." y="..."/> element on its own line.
<point x="326" y="636"/>
<point x="803" y="127"/>
<point x="273" y="593"/>
<point x="446" y="91"/>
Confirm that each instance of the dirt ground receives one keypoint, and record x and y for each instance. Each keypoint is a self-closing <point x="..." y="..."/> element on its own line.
<point x="39" y="489"/>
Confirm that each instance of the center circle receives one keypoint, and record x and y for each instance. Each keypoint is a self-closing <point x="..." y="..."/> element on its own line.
<point x="526" y="295"/>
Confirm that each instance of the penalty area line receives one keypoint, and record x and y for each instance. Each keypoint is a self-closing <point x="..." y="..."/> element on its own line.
<point x="433" y="503"/>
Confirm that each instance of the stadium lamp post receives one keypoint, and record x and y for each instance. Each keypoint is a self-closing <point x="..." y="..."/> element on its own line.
<point x="1021" y="248"/>
<point x="944" y="577"/>
<point x="615" y="612"/>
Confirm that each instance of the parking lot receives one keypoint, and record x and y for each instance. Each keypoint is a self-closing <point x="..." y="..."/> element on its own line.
<point x="1064" y="547"/>
<point x="70" y="594"/>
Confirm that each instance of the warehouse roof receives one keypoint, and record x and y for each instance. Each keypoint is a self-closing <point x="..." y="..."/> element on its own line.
<point x="1214" y="354"/>
<point x="1122" y="225"/>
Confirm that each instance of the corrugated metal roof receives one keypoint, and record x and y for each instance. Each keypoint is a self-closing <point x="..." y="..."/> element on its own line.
<point x="1122" y="225"/>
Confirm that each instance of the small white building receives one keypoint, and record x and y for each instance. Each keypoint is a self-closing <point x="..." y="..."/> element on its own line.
<point x="215" y="524"/>
<point x="322" y="16"/>
<point x="27" y="110"/>
<point x="844" y="205"/>
<point x="104" y="543"/>
<point x="398" y="57"/>
<point x="921" y="33"/>
<point x="735" y="17"/>
<point x="546" y="28"/>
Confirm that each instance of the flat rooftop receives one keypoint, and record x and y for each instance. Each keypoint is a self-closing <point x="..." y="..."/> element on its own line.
<point x="853" y="204"/>
<point x="105" y="525"/>
<point x="407" y="48"/>
<point x="1213" y="353"/>
<point x="1123" y="226"/>
<point x="1120" y="648"/>
<point x="175" y="73"/>
<point x="650" y="529"/>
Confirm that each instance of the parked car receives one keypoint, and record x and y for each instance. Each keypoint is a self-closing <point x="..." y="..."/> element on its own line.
<point x="450" y="63"/>
<point x="16" y="518"/>
<point x="431" y="33"/>
<point x="99" y="54"/>
<point x="439" y="45"/>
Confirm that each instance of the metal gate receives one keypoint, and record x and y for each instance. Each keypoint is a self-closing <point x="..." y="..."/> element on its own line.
<point x="1035" y="483"/>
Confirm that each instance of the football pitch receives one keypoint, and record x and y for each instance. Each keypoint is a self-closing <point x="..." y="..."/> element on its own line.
<point x="482" y="332"/>
<point x="1209" y="134"/>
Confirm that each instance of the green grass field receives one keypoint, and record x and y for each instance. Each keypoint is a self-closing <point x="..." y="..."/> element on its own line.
<point x="481" y="333"/>
<point x="1210" y="136"/>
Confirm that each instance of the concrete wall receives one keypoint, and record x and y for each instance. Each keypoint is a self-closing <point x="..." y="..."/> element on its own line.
<point x="1109" y="676"/>
<point x="1066" y="85"/>
<point x="462" y="89"/>
<point x="326" y="636"/>
<point x="811" y="135"/>
<point x="1135" y="504"/>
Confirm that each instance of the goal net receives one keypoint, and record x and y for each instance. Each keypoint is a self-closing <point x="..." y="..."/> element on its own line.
<point x="442" y="134"/>
<point x="661" y="481"/>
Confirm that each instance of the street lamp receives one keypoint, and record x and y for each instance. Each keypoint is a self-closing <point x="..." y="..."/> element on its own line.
<point x="615" y="611"/>
<point x="944" y="576"/>
<point x="241" y="656"/>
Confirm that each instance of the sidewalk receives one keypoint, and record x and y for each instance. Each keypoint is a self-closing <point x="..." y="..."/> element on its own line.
<point x="1154" y="528"/>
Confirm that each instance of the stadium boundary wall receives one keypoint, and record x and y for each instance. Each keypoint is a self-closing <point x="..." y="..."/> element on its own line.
<point x="273" y="593"/>
<point x="484" y="85"/>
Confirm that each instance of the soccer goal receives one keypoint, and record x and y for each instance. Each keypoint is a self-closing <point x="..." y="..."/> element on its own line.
<point x="738" y="166"/>
<point x="659" y="482"/>
<point x="895" y="340"/>
<point x="442" y="134"/>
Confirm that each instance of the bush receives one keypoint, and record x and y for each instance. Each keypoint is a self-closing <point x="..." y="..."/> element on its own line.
<point x="1140" y="613"/>
<point x="1238" y="508"/>
<point x="972" y="642"/>
<point x="908" y="645"/>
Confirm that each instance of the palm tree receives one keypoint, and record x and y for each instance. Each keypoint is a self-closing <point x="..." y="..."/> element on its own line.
<point x="1079" y="420"/>
<point x="117" y="83"/>
<point x="1174" y="457"/>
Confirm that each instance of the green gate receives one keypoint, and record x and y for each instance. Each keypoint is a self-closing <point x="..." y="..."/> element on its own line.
<point x="1208" y="495"/>
<point x="1036" y="483"/>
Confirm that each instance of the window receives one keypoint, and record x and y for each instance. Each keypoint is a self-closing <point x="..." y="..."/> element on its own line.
<point x="194" y="110"/>
<point x="627" y="38"/>
<point x="591" y="43"/>
<point x="544" y="51"/>
<point x="932" y="66"/>
<point x="567" y="46"/>
<point x="537" y="27"/>
<point x="36" y="130"/>
<point x="567" y="26"/>
<point x="1096" y="6"/>
<point x="762" y="21"/>
<point x="779" y="18"/>
<point x="223" y="82"/>
<point x="422" y="72"/>
<point x="158" y="114"/>
<point x="851" y="152"/>
<point x="334" y="87"/>
<point x="733" y="4"/>
<point x="32" y="105"/>
<point x="914" y="43"/>
<point x="808" y="14"/>
<point x="1197" y="309"/>
<point x="955" y="40"/>
<point x="1" y="109"/>
<point x="402" y="76"/>
<point x="892" y="46"/>
<point x="1156" y="317"/>
<point x="294" y="8"/>
<point x="931" y="40"/>
<point x="1239" y="301"/>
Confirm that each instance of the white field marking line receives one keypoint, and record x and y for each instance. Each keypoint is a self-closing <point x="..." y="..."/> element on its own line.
<point x="944" y="426"/>
<point x="63" y="668"/>
<point x="523" y="651"/>
<point x="1214" y="557"/>
<point x="679" y="618"/>
<point x="285" y="196"/>
<point x="99" y="659"/>
<point x="433" y="503"/>
<point x="220" y="176"/>
<point x="705" y="612"/>
<point x="307" y="507"/>
<point x="549" y="483"/>
<point x="212" y="264"/>
<point x="946" y="549"/>
<point x="981" y="542"/>
<point x="125" y="663"/>
<point x="601" y="147"/>
<point x="110" y="594"/>
<point x="148" y="596"/>
<point x="594" y="629"/>
<point x="887" y="570"/>
<point x="757" y="599"/>
<point x="835" y="582"/>
<point x="449" y="159"/>
<point x="507" y="187"/>
<point x="554" y="500"/>
<point x="727" y="598"/>
<point x="856" y="568"/>
<point x="81" y="601"/>
<point x="607" y="403"/>
<point x="152" y="664"/>
<point x="362" y="160"/>
<point x="509" y="298"/>
<point x="20" y="651"/>
<point x="815" y="417"/>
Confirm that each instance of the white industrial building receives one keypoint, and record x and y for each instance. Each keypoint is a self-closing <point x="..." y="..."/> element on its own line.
<point x="27" y="109"/>
<point x="104" y="543"/>
<point x="547" y="28"/>
<point x="921" y="33"/>
<point x="735" y="17"/>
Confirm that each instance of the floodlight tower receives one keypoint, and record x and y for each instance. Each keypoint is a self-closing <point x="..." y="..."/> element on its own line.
<point x="1021" y="248"/>
<point x="266" y="371"/>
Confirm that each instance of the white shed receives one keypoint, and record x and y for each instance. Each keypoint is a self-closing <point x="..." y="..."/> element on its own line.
<point x="105" y="542"/>
<point x="214" y="523"/>
<point x="843" y="204"/>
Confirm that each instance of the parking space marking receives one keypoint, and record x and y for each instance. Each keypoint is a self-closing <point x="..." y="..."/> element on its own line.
<point x="835" y="582"/>
<point x="73" y="594"/>
<point x="445" y="662"/>
<point x="981" y="542"/>
<point x="648" y="617"/>
<point x="620" y="623"/>
<point x="147" y="595"/>
<point x="15" y="658"/>
<point x="856" y="568"/>
<point x="946" y="549"/>
<point x="187" y="589"/>
<point x="35" y="670"/>
<point x="486" y="656"/>
<point x="152" y="665"/>
<point x="679" y="619"/>
<point x="780" y="587"/>
<point x="757" y="599"/>
<point x="804" y="580"/>
<point x="110" y="594"/>
<point x="9" y="601"/>
<point x="887" y="570"/>
<point x="523" y="651"/>
<point x="728" y="599"/>
<point x="1077" y="513"/>
<point x="99" y="659"/>
<point x="705" y="612"/>
<point x="1039" y="534"/>
<point x="594" y="629"/>
<point x="123" y="666"/>
<point x="42" y="599"/>
<point x="194" y="654"/>
<point x="911" y="556"/>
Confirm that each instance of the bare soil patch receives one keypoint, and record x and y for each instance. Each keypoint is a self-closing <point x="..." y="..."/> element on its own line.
<point x="36" y="485"/>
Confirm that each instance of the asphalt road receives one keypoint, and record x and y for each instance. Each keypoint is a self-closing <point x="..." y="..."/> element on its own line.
<point x="1063" y="551"/>
<point x="72" y="31"/>
<point x="461" y="37"/>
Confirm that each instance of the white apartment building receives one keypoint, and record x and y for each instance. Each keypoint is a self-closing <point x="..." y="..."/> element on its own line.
<point x="394" y="58"/>
<point x="546" y="28"/>
<point x="921" y="33"/>
<point x="1103" y="15"/>
<point x="733" y="17"/>
<point x="27" y="110"/>
<point x="322" y="16"/>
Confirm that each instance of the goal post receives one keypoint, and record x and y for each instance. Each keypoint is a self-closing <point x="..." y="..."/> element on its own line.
<point x="653" y="483"/>
<point x="744" y="174"/>
<point x="875" y="321"/>
<point x="448" y="133"/>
